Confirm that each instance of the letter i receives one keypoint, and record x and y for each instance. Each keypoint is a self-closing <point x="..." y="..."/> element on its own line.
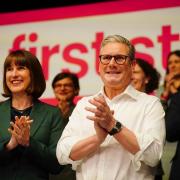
<point x="32" y="38"/>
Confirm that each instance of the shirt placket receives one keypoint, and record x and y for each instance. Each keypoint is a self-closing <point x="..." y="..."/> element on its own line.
<point x="102" y="161"/>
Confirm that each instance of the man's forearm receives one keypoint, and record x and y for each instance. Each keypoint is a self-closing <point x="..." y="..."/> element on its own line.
<point x="85" y="147"/>
<point x="128" y="140"/>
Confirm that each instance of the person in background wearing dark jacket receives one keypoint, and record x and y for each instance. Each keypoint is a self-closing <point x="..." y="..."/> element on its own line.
<point x="165" y="93"/>
<point x="27" y="151"/>
<point x="173" y="69"/>
<point x="66" y="88"/>
<point x="173" y="127"/>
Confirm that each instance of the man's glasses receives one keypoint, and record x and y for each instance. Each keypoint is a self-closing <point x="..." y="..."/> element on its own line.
<point x="119" y="59"/>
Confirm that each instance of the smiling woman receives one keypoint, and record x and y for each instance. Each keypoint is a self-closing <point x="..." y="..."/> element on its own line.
<point x="145" y="77"/>
<point x="17" y="78"/>
<point x="20" y="75"/>
<point x="34" y="127"/>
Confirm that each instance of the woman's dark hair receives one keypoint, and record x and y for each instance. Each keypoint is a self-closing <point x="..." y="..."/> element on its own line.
<point x="64" y="75"/>
<point x="177" y="53"/>
<point x="151" y="73"/>
<point x="25" y="58"/>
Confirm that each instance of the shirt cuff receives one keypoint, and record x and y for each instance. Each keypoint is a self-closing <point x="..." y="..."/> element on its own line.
<point x="63" y="152"/>
<point x="150" y="152"/>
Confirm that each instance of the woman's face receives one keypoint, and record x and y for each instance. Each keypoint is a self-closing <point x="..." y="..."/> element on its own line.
<point x="17" y="78"/>
<point x="174" y="64"/>
<point x="139" y="79"/>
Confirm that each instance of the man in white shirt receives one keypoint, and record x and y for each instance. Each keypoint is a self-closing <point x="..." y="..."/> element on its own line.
<point x="117" y="134"/>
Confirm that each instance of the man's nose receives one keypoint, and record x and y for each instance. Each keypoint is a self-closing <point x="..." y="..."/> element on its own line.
<point x="112" y="61"/>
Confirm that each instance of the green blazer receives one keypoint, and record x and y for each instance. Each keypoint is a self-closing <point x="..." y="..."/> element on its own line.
<point x="39" y="159"/>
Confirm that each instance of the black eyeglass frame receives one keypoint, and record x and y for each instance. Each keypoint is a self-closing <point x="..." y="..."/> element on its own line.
<point x="120" y="62"/>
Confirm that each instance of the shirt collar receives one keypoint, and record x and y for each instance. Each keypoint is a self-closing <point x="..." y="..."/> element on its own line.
<point x="130" y="91"/>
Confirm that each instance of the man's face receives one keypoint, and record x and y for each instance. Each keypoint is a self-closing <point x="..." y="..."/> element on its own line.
<point x="115" y="75"/>
<point x="64" y="90"/>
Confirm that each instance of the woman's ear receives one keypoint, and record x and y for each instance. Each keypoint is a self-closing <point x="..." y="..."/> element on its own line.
<point x="147" y="80"/>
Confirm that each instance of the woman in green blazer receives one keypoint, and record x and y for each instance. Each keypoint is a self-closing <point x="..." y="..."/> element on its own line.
<point x="29" y="128"/>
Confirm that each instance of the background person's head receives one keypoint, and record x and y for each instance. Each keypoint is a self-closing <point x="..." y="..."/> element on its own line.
<point x="66" y="86"/>
<point x="116" y="61"/>
<point x="14" y="64"/>
<point x="173" y="64"/>
<point x="145" y="77"/>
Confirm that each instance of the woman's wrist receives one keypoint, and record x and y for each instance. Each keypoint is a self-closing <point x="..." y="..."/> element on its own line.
<point x="10" y="145"/>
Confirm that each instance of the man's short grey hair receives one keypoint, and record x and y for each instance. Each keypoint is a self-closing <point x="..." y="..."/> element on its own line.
<point x="120" y="39"/>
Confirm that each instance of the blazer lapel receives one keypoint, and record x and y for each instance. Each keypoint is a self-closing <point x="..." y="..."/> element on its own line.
<point x="37" y="115"/>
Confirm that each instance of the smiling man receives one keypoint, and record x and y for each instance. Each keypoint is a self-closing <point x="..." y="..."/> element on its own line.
<point x="117" y="134"/>
<point x="66" y="87"/>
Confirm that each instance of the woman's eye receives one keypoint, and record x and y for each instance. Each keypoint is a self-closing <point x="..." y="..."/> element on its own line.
<point x="9" y="69"/>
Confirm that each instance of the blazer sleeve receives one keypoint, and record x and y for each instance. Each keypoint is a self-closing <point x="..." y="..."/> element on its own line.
<point x="173" y="119"/>
<point x="6" y="156"/>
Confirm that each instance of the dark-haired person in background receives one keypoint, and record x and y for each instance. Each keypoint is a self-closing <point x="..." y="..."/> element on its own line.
<point x="173" y="69"/>
<point x="66" y="87"/>
<point x="165" y="93"/>
<point x="173" y="126"/>
<point x="146" y="79"/>
<point x="27" y="151"/>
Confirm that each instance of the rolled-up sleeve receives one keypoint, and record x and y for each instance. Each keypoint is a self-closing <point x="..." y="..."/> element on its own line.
<point x="64" y="147"/>
<point x="70" y="136"/>
<point x="151" y="140"/>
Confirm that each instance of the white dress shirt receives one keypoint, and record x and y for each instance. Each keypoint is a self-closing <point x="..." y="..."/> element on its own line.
<point x="137" y="111"/>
